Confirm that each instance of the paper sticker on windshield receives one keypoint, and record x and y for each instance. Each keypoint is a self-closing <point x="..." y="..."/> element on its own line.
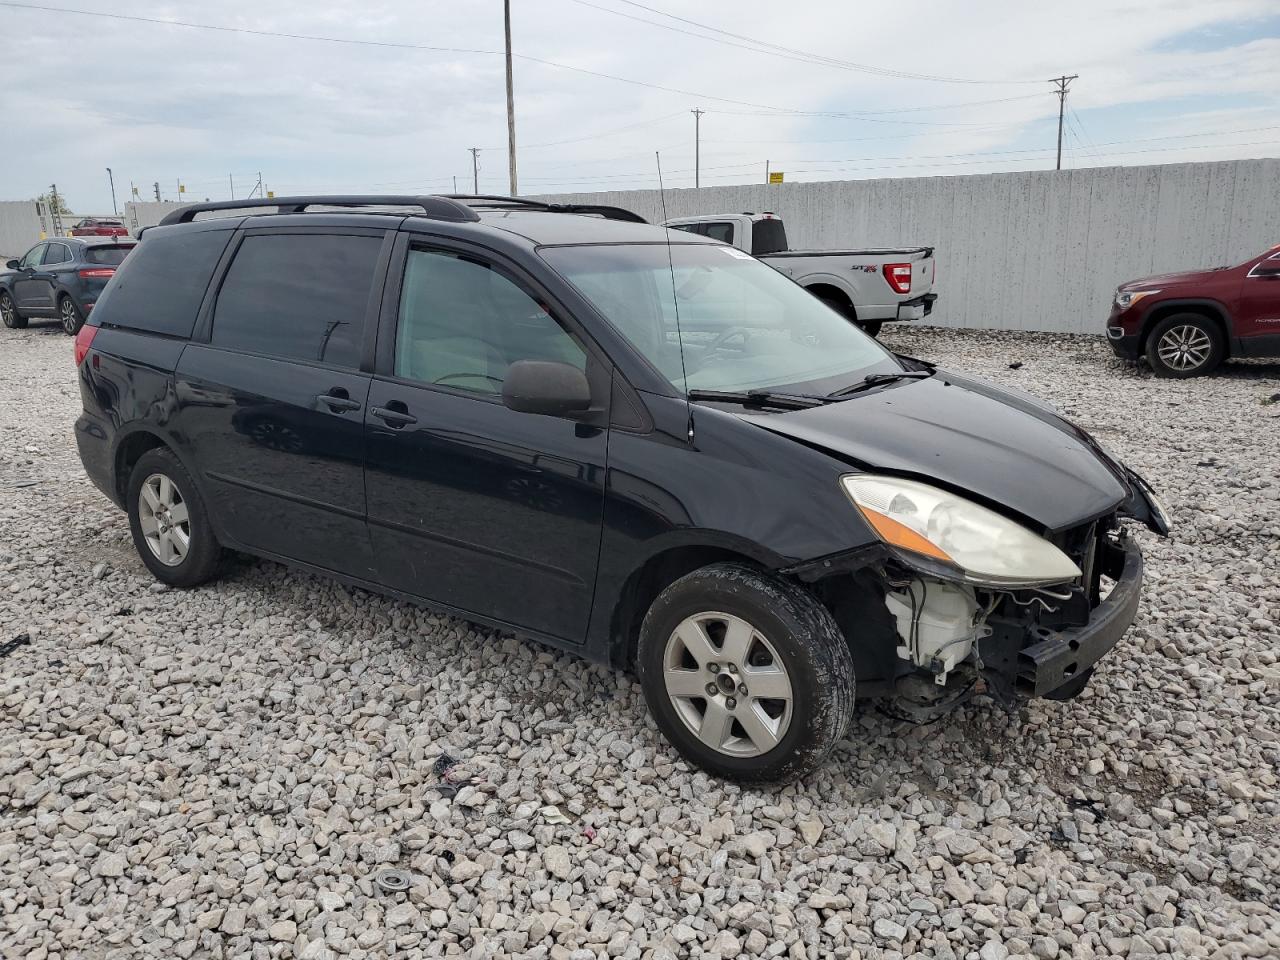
<point x="735" y="252"/>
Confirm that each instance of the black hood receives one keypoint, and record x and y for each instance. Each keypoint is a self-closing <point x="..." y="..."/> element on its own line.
<point x="1007" y="450"/>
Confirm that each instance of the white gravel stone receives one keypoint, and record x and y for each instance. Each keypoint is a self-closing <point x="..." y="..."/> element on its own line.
<point x="220" y="772"/>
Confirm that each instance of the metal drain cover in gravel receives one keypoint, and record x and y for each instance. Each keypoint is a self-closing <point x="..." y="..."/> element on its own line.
<point x="391" y="881"/>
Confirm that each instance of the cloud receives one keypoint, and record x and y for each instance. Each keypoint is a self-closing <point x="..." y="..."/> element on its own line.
<point x="159" y="103"/>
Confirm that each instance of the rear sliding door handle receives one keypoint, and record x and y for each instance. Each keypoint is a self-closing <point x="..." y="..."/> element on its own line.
<point x="393" y="417"/>
<point x="336" y="402"/>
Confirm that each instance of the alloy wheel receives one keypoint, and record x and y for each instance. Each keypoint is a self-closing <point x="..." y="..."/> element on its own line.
<point x="728" y="684"/>
<point x="7" y="312"/>
<point x="162" y="514"/>
<point x="1184" y="347"/>
<point x="69" y="318"/>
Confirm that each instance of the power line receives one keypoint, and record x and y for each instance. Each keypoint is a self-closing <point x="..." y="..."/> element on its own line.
<point x="389" y="44"/>
<point x="811" y="57"/>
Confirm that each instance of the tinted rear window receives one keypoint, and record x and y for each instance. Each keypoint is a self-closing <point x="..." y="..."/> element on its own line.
<point x="158" y="287"/>
<point x="298" y="297"/>
<point x="107" y="255"/>
<point x="768" y="236"/>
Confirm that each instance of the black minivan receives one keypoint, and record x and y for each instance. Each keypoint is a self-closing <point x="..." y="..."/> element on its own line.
<point x="639" y="445"/>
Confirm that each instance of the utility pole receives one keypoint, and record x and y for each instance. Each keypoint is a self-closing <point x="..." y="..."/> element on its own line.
<point x="111" y="177"/>
<point x="157" y="186"/>
<point x="697" y="147"/>
<point x="455" y="184"/>
<point x="232" y="181"/>
<point x="1062" y="83"/>
<point x="511" y="100"/>
<point x="766" y="172"/>
<point x="475" y="169"/>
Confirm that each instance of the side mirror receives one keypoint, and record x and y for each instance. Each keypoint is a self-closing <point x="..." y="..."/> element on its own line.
<point x="546" y="387"/>
<point x="13" y="265"/>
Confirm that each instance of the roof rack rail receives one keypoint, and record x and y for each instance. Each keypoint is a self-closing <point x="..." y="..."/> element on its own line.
<point x="494" y="201"/>
<point x="434" y="207"/>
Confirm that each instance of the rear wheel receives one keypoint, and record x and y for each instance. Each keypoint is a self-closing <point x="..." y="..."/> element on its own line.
<point x="170" y="526"/>
<point x="1185" y="345"/>
<point x="69" y="314"/>
<point x="746" y="674"/>
<point x="9" y="312"/>
<point x="846" y="310"/>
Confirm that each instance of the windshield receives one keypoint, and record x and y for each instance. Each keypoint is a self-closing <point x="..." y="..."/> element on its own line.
<point x="742" y="325"/>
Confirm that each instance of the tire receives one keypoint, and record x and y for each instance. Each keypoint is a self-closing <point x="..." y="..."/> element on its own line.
<point x="793" y="648"/>
<point x="9" y="312"/>
<point x="70" y="316"/>
<point x="171" y="485"/>
<point x="871" y="327"/>
<point x="1185" y="345"/>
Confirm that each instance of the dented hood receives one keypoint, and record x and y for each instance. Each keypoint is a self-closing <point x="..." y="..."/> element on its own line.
<point x="1009" y="450"/>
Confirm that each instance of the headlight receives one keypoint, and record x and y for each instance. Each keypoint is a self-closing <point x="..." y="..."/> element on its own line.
<point x="1127" y="299"/>
<point x="988" y="549"/>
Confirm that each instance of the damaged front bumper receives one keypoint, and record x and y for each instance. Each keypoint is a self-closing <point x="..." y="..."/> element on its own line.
<point x="1024" y="658"/>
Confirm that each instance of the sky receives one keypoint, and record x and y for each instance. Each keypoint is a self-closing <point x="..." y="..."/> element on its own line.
<point x="361" y="98"/>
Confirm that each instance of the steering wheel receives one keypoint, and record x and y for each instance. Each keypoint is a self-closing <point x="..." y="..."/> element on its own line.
<point x="473" y="376"/>
<point x="719" y="344"/>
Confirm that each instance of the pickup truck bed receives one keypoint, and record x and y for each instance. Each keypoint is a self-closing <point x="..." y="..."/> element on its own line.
<point x="869" y="286"/>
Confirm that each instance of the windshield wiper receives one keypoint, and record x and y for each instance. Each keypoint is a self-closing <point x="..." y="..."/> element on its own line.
<point x="759" y="398"/>
<point x="876" y="379"/>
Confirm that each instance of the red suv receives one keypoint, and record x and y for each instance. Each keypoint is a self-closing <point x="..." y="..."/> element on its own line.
<point x="96" y="227"/>
<point x="1185" y="324"/>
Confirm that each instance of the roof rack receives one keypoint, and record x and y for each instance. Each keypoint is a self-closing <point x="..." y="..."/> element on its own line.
<point x="494" y="201"/>
<point x="434" y="207"/>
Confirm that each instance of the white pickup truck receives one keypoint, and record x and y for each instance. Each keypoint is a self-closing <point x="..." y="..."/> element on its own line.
<point x="867" y="286"/>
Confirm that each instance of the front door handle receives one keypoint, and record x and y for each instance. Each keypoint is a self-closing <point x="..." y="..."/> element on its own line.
<point x="337" y="401"/>
<point x="394" y="414"/>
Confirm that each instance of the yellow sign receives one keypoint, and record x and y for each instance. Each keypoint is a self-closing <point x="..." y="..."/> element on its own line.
<point x="271" y="194"/>
<point x="181" y="188"/>
<point x="775" y="176"/>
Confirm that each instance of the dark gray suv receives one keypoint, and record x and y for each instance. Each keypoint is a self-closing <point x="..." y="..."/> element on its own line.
<point x="59" y="278"/>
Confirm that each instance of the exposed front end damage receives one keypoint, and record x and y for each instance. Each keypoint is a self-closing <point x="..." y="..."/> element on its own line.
<point x="924" y="644"/>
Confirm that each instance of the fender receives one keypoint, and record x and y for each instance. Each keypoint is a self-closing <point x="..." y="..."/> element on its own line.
<point x="1217" y="306"/>
<point x="831" y="280"/>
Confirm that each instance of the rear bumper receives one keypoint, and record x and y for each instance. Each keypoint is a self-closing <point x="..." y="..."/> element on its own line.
<point x="1058" y="658"/>
<point x="94" y="445"/>
<point x="917" y="308"/>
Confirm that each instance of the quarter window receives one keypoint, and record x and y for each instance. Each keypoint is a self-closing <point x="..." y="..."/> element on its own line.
<point x="298" y="297"/>
<point x="719" y="231"/>
<point x="463" y="323"/>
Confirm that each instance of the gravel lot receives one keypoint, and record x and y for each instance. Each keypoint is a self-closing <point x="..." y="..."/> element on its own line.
<point x="223" y="772"/>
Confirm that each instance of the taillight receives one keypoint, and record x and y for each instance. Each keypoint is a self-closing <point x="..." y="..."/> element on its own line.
<point x="97" y="272"/>
<point x="899" y="276"/>
<point x="84" y="340"/>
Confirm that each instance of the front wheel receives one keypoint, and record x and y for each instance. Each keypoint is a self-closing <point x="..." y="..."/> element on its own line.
<point x="170" y="526"/>
<point x="745" y="673"/>
<point x="9" y="313"/>
<point x="871" y="327"/>
<point x="1184" y="345"/>
<point x="70" y="316"/>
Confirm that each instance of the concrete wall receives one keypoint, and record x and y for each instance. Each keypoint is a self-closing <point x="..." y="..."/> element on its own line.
<point x="20" y="226"/>
<point x="1020" y="251"/>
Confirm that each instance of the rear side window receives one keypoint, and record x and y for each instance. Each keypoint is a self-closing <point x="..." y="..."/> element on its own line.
<point x="718" y="231"/>
<point x="768" y="236"/>
<point x="298" y="297"/>
<point x="110" y="256"/>
<point x="57" y="253"/>
<point x="158" y="288"/>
